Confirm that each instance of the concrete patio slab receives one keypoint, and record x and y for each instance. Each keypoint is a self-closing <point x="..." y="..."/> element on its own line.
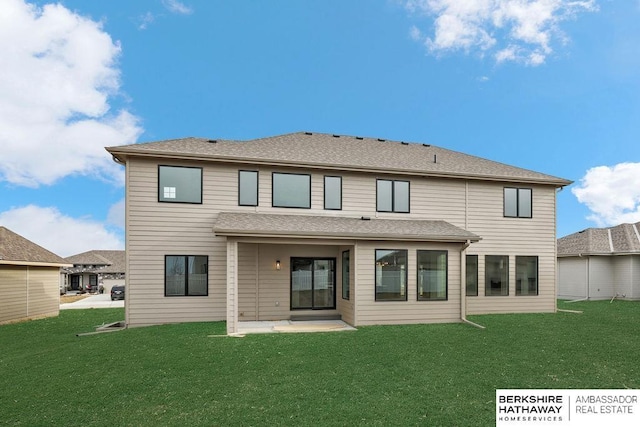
<point x="289" y="326"/>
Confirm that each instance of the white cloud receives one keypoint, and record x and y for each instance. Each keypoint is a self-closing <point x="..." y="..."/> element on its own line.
<point x="175" y="6"/>
<point x="61" y="234"/>
<point x="58" y="75"/>
<point x="519" y="30"/>
<point x="611" y="193"/>
<point x="145" y="20"/>
<point x="116" y="215"/>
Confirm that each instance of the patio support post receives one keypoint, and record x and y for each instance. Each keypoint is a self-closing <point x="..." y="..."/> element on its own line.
<point x="232" y="287"/>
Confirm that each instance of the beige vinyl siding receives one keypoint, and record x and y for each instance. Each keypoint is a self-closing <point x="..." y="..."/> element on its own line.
<point x="572" y="277"/>
<point x="372" y="312"/>
<point x="247" y="281"/>
<point x="157" y="229"/>
<point x="28" y="292"/>
<point x="534" y="236"/>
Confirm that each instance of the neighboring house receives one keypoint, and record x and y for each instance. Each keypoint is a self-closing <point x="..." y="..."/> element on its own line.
<point x="600" y="263"/>
<point x="96" y="269"/>
<point x="374" y="231"/>
<point x="29" y="279"/>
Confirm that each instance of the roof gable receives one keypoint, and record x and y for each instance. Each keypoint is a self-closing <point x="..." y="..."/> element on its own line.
<point x="318" y="150"/>
<point x="16" y="249"/>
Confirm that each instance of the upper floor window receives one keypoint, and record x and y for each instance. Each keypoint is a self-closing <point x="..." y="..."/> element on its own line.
<point x="248" y="188"/>
<point x="291" y="190"/>
<point x="179" y="184"/>
<point x="432" y="275"/>
<point x="392" y="196"/>
<point x="333" y="192"/>
<point x="517" y="202"/>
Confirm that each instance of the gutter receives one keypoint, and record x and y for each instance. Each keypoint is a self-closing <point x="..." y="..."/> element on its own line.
<point x="463" y="291"/>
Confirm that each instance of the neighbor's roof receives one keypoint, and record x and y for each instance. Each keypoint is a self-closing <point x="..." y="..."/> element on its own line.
<point x="621" y="239"/>
<point x="16" y="250"/>
<point x="106" y="261"/>
<point x="331" y="227"/>
<point x="326" y="151"/>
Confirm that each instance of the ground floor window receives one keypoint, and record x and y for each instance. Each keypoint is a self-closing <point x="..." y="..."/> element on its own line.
<point x="391" y="274"/>
<point x="472" y="275"/>
<point x="186" y="275"/>
<point x="313" y="283"/>
<point x="496" y="275"/>
<point x="345" y="275"/>
<point x="432" y="275"/>
<point x="526" y="275"/>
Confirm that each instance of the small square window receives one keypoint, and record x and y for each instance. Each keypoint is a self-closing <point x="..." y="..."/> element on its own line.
<point x="169" y="192"/>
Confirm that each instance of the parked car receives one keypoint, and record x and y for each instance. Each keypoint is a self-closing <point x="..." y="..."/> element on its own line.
<point x="117" y="292"/>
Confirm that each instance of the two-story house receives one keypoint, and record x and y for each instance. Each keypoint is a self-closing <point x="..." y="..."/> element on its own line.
<point x="375" y="231"/>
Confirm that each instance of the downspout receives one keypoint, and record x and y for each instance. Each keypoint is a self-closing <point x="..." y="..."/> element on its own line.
<point x="463" y="290"/>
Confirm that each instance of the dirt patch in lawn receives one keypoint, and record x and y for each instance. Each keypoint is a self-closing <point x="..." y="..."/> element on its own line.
<point x="65" y="299"/>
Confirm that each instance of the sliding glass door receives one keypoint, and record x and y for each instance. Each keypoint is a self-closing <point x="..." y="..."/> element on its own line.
<point x="313" y="283"/>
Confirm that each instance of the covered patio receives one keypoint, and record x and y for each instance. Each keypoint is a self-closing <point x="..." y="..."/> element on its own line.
<point x="265" y="251"/>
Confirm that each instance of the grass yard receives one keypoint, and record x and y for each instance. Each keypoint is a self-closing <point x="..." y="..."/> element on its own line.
<point x="436" y="375"/>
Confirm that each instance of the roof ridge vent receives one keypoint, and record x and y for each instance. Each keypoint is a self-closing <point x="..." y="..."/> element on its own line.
<point x="404" y="143"/>
<point x="359" y="137"/>
<point x="308" y="133"/>
<point x="426" y="145"/>
<point x="381" y="139"/>
<point x="212" y="141"/>
<point x="336" y="135"/>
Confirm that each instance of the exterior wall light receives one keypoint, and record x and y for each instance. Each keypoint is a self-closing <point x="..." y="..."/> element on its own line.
<point x="277" y="264"/>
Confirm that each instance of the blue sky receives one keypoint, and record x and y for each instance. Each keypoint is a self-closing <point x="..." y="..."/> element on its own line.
<point x="548" y="85"/>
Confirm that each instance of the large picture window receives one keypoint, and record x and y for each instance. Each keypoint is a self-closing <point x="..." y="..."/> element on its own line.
<point x="432" y="275"/>
<point x="248" y="188"/>
<point x="496" y="277"/>
<point x="518" y="203"/>
<point x="526" y="275"/>
<point x="345" y="275"/>
<point x="391" y="274"/>
<point x="392" y="196"/>
<point x="472" y="275"/>
<point x="291" y="190"/>
<point x="186" y="275"/>
<point x="179" y="184"/>
<point x="333" y="192"/>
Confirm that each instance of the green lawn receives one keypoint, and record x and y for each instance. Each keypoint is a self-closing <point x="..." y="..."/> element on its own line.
<point x="383" y="375"/>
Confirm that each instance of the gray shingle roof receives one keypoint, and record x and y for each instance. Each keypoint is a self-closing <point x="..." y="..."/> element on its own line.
<point x="623" y="238"/>
<point x="15" y="249"/>
<point x="106" y="261"/>
<point x="318" y="150"/>
<point x="308" y="226"/>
